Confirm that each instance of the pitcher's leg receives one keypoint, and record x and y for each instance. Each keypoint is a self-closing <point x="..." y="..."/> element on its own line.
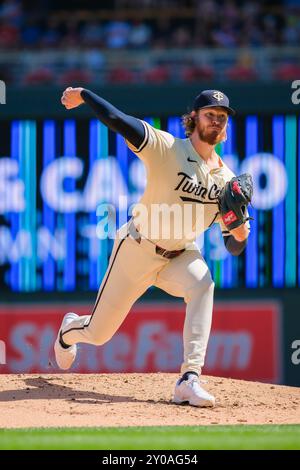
<point x="132" y="269"/>
<point x="188" y="276"/>
<point x="124" y="282"/>
<point x="130" y="272"/>
<point x="197" y="325"/>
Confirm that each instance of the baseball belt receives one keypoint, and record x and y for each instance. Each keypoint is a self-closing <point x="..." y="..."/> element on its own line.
<point x="158" y="249"/>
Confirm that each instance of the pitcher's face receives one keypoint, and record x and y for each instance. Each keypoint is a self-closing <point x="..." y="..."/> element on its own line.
<point x="211" y="124"/>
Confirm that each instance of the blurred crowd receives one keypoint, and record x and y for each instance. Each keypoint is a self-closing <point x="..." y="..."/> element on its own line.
<point x="145" y="25"/>
<point x="213" y="23"/>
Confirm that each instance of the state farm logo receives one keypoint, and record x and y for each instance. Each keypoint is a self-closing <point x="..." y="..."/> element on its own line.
<point x="154" y="348"/>
<point x="230" y="350"/>
<point x="150" y="340"/>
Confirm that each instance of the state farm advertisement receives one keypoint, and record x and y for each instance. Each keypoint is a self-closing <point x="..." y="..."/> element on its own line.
<point x="244" y="343"/>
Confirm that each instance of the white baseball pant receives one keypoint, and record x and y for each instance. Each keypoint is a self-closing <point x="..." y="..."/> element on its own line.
<point x="132" y="269"/>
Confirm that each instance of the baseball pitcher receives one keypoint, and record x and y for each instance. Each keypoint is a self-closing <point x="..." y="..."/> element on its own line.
<point x="189" y="188"/>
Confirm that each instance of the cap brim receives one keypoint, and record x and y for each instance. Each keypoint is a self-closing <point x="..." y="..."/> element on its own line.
<point x="229" y="110"/>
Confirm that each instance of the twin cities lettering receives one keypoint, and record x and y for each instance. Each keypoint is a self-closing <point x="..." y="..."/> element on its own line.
<point x="190" y="184"/>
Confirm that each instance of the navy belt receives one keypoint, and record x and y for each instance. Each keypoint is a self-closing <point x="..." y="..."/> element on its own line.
<point x="158" y="249"/>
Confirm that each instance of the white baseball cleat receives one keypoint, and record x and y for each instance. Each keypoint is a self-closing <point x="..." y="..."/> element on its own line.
<point x="65" y="357"/>
<point x="190" y="391"/>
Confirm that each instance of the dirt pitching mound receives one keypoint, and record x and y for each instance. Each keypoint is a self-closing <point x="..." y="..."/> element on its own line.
<point x="137" y="400"/>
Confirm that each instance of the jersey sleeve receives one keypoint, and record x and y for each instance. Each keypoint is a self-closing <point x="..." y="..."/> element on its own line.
<point x="155" y="145"/>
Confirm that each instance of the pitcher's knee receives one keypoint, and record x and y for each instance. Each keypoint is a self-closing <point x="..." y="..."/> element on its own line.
<point x="203" y="285"/>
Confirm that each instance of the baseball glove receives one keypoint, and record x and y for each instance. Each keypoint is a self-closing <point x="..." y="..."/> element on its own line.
<point x="233" y="200"/>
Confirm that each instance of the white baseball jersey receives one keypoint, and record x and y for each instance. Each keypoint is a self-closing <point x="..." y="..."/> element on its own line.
<point x="180" y="180"/>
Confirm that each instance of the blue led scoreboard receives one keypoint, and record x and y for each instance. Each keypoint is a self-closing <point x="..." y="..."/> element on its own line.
<point x="55" y="174"/>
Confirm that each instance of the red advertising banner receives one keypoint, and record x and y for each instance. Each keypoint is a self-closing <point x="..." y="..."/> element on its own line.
<point x="244" y="342"/>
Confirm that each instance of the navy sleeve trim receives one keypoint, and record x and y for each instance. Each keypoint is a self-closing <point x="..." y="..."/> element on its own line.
<point x="145" y="141"/>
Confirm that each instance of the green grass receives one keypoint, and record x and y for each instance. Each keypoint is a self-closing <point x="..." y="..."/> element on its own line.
<point x="148" y="438"/>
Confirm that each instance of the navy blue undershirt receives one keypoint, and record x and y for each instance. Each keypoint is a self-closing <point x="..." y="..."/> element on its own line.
<point x="129" y="127"/>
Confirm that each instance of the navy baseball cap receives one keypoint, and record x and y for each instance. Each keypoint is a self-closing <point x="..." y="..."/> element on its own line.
<point x="209" y="98"/>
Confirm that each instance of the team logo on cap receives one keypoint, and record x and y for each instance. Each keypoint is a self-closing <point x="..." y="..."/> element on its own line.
<point x="218" y="95"/>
